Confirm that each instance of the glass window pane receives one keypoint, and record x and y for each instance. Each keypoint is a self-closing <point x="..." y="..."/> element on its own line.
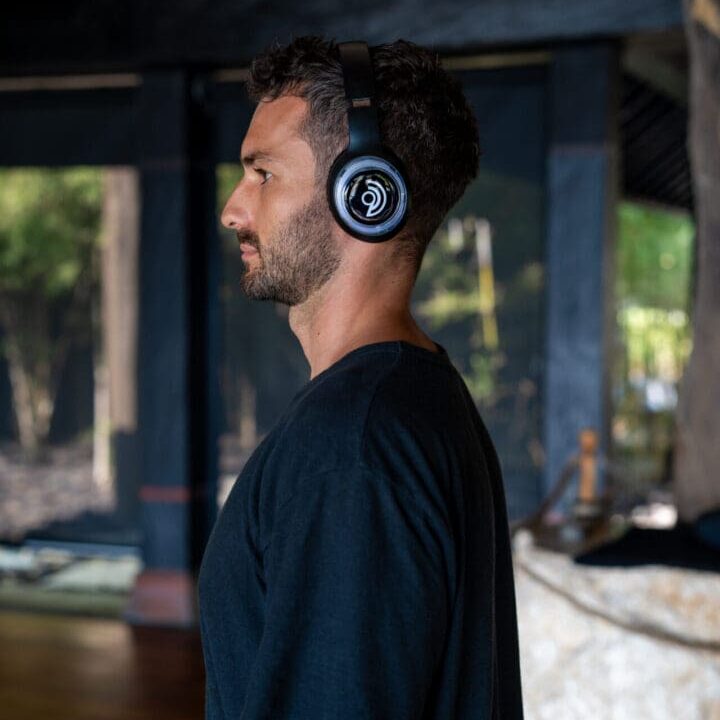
<point x="68" y="318"/>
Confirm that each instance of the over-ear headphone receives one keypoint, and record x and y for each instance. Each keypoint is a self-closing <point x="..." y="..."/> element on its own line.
<point x="367" y="188"/>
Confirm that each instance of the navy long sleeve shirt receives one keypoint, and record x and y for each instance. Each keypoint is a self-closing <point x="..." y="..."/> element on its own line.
<point x="361" y="565"/>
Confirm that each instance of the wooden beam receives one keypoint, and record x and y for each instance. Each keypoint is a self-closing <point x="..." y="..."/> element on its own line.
<point x="92" y="35"/>
<point x="61" y="128"/>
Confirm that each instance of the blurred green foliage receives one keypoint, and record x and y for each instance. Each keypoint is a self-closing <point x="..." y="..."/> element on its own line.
<point x="49" y="230"/>
<point x="654" y="257"/>
<point x="654" y="338"/>
<point x="49" y="221"/>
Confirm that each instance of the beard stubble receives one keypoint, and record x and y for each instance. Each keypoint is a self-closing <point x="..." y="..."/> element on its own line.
<point x="298" y="259"/>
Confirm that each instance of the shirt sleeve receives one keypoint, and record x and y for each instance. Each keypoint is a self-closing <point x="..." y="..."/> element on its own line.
<point x="357" y="603"/>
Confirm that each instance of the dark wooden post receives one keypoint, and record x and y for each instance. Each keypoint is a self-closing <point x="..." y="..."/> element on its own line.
<point x="175" y="450"/>
<point x="582" y="186"/>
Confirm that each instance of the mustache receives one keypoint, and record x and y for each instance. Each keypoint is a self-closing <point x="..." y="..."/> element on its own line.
<point x="248" y="237"/>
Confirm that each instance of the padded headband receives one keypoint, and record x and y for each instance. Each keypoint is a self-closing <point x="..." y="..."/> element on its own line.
<point x="360" y="91"/>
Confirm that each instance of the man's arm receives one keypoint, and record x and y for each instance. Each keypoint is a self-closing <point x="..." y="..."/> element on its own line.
<point x="356" y="605"/>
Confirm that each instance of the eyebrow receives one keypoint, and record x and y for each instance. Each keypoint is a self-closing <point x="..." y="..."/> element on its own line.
<point x="255" y="156"/>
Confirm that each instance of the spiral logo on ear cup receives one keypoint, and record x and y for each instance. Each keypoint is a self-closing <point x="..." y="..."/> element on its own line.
<point x="374" y="197"/>
<point x="370" y="197"/>
<point x="378" y="198"/>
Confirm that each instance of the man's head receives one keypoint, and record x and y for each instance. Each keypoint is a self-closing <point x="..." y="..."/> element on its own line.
<point x="424" y="118"/>
<point x="278" y="210"/>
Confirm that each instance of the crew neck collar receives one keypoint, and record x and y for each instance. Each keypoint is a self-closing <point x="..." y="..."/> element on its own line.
<point x="394" y="346"/>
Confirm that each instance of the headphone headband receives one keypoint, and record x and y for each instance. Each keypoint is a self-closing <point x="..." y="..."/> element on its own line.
<point x="360" y="91"/>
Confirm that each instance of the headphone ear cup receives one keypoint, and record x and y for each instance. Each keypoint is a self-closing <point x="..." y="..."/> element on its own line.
<point x="368" y="194"/>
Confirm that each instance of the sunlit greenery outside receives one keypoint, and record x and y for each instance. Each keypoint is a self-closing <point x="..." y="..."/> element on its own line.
<point x="49" y="228"/>
<point x="653" y="303"/>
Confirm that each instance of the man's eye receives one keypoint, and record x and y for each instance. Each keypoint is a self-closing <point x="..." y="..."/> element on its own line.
<point x="265" y="174"/>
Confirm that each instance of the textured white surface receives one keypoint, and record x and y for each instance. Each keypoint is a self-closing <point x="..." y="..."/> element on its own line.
<point x="576" y="666"/>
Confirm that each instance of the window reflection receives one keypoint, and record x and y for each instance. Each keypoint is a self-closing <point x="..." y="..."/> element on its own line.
<point x="480" y="292"/>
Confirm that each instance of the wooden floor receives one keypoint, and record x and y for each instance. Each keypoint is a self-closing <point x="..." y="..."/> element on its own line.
<point x="71" y="668"/>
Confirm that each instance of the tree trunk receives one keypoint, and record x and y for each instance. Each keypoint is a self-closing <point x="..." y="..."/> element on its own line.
<point x="115" y="366"/>
<point x="20" y="387"/>
<point x="31" y="363"/>
<point x="697" y="453"/>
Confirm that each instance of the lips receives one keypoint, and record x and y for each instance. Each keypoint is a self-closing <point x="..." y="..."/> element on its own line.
<point x="247" y="249"/>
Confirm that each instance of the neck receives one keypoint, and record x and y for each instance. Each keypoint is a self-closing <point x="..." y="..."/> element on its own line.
<point x="351" y="310"/>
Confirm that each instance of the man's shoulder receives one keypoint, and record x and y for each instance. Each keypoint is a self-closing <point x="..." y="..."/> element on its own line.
<point x="381" y="410"/>
<point x="323" y="427"/>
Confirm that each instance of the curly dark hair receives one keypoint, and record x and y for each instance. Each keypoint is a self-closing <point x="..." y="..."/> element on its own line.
<point x="424" y="118"/>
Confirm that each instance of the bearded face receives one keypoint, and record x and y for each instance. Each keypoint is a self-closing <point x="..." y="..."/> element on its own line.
<point x="298" y="258"/>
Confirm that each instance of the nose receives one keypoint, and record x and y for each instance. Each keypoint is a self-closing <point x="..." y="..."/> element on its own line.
<point x="235" y="214"/>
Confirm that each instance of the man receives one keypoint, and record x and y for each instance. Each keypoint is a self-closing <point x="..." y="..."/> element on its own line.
<point x="361" y="566"/>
